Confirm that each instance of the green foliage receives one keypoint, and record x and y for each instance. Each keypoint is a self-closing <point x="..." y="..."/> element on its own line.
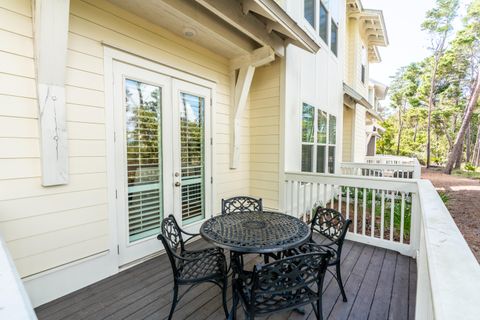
<point x="454" y="63"/>
<point x="443" y="196"/>
<point x="470" y="167"/>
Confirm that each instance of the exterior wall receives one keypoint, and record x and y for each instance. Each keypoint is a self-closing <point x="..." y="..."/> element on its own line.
<point x="348" y="129"/>
<point x="360" y="137"/>
<point x="50" y="228"/>
<point x="353" y="68"/>
<point x="315" y="79"/>
<point x="264" y="120"/>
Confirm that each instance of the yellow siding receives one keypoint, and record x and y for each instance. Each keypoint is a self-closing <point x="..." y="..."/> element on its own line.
<point x="49" y="227"/>
<point x="347" y="134"/>
<point x="265" y="134"/>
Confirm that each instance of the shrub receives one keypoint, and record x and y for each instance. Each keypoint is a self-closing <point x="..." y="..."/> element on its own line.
<point x="470" y="167"/>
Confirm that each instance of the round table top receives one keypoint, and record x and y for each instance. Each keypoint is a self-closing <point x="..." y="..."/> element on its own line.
<point x="255" y="232"/>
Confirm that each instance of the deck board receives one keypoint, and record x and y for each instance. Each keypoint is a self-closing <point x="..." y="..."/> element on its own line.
<point x="379" y="283"/>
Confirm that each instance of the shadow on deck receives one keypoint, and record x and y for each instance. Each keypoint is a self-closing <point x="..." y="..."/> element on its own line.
<point x="380" y="284"/>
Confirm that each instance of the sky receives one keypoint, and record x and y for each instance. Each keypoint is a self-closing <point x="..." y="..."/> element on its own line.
<point x="407" y="42"/>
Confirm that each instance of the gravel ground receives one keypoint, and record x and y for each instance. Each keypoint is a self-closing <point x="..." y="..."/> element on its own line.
<point x="463" y="203"/>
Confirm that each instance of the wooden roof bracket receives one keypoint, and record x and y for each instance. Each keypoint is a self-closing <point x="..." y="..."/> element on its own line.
<point x="51" y="37"/>
<point x="242" y="71"/>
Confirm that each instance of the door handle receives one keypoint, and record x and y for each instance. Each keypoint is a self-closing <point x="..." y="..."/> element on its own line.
<point x="177" y="184"/>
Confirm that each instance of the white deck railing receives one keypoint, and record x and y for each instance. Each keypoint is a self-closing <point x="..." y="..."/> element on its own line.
<point x="408" y="216"/>
<point x="381" y="209"/>
<point x="14" y="302"/>
<point x="402" y="171"/>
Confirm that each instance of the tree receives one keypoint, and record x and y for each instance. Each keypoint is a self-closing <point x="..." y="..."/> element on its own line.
<point x="438" y="23"/>
<point x="403" y="94"/>
<point x="467" y="44"/>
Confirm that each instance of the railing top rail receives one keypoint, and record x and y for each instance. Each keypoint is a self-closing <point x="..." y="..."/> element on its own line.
<point x="402" y="185"/>
<point x="408" y="166"/>
<point x="454" y="272"/>
<point x="14" y="301"/>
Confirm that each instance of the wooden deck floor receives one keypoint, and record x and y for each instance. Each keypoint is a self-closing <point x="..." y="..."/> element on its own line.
<point x="380" y="284"/>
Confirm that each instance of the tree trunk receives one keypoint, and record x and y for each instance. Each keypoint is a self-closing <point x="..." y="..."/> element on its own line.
<point x="476" y="148"/>
<point x="400" y="128"/>
<point x="458" y="161"/>
<point x="415" y="132"/>
<point x="468" y="139"/>
<point x="457" y="147"/>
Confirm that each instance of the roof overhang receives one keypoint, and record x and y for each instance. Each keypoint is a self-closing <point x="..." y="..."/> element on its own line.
<point x="372" y="24"/>
<point x="380" y="89"/>
<point x="352" y="94"/>
<point x="261" y="20"/>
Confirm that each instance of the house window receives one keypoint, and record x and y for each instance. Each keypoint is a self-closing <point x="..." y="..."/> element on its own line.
<point x="323" y="23"/>
<point x="364" y="65"/>
<point x="319" y="137"/>
<point x="308" y="139"/>
<point x="334" y="37"/>
<point x="309" y="11"/>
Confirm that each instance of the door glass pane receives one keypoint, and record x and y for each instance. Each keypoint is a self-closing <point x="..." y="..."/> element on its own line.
<point x="144" y="159"/>
<point x="322" y="127"/>
<point x="192" y="126"/>
<point x="321" y="159"/>
<point x="309" y="11"/>
<point x="307" y="154"/>
<point x="307" y="123"/>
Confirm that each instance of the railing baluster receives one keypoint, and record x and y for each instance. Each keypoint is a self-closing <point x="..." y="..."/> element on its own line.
<point x="355" y="211"/>
<point x="382" y="215"/>
<point x="392" y="213"/>
<point x="292" y="197"/>
<point x="364" y="218"/>
<point x="312" y="203"/>
<point x="325" y="203"/>
<point x="373" y="214"/>
<point x="402" y="217"/>
<point x="305" y="205"/>
<point x="347" y="207"/>
<point x="299" y="186"/>
<point x="340" y="199"/>
<point x="332" y="196"/>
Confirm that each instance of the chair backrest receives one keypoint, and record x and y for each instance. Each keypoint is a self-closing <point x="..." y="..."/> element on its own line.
<point x="294" y="274"/>
<point x="171" y="237"/>
<point x="330" y="223"/>
<point x="241" y="204"/>
<point x="171" y="233"/>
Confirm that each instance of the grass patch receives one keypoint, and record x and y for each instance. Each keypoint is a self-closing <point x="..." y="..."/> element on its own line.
<point x="466" y="174"/>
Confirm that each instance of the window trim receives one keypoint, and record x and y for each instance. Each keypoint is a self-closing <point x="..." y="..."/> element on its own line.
<point x="315" y="144"/>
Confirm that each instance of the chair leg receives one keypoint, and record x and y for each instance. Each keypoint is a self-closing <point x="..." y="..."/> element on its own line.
<point x="233" y="314"/>
<point x="224" y="296"/>
<point x="339" y="280"/>
<point x="319" y="310"/>
<point x="174" y="301"/>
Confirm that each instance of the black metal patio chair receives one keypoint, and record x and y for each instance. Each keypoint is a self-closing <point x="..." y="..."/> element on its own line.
<point x="282" y="285"/>
<point x="333" y="226"/>
<point x="192" y="267"/>
<point x="241" y="204"/>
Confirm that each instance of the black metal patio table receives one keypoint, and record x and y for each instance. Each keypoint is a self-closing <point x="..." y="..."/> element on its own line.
<point x="255" y="232"/>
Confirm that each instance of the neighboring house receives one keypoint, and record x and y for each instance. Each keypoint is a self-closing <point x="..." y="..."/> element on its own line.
<point x="376" y="92"/>
<point x="366" y="31"/>
<point x="114" y="114"/>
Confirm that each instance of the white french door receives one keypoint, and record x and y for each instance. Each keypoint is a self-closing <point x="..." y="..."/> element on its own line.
<point x="161" y="156"/>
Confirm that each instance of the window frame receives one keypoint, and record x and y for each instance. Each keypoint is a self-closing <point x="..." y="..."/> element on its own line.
<point x="316" y="144"/>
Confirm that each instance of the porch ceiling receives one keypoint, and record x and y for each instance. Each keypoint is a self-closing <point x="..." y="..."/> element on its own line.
<point x="231" y="28"/>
